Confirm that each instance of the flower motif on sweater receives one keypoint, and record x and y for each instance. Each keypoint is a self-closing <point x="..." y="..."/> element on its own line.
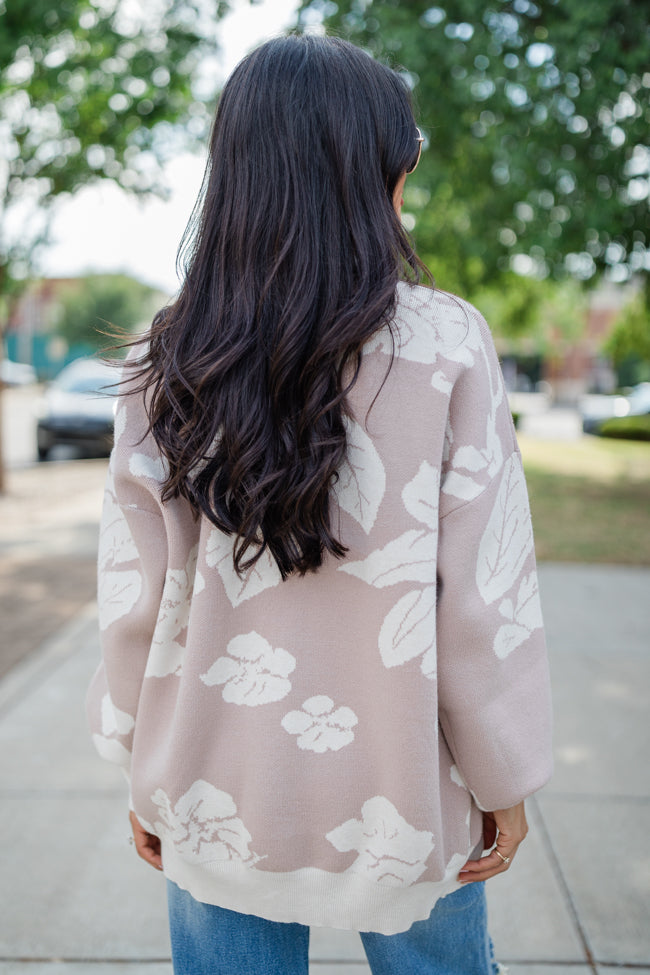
<point x="319" y="726"/>
<point x="203" y="825"/>
<point x="253" y="672"/>
<point x="391" y="851"/>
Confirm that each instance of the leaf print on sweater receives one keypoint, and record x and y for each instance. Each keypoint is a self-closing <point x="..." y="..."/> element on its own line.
<point x="409" y="628"/>
<point x="118" y="589"/>
<point x="391" y="851"/>
<point x="409" y="558"/>
<point x="420" y="496"/>
<point x="114" y="721"/>
<point x="166" y="655"/>
<point x="525" y="616"/>
<point x="203" y="825"/>
<point x="252" y="673"/>
<point x="155" y="468"/>
<point x="362" y="478"/>
<point x="319" y="726"/>
<point x="462" y="478"/>
<point x="422" y="336"/>
<point x="508" y="538"/>
<point x="119" y="423"/>
<point x="264" y="574"/>
<point x="115" y="724"/>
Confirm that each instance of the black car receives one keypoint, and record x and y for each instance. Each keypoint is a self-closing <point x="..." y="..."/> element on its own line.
<point x="78" y="410"/>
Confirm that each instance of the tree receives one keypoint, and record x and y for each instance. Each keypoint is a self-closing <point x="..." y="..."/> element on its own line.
<point x="536" y="114"/>
<point x="90" y="91"/>
<point x="629" y="344"/>
<point x="103" y="304"/>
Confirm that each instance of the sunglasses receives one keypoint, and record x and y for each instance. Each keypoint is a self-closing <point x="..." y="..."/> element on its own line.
<point x="419" y="140"/>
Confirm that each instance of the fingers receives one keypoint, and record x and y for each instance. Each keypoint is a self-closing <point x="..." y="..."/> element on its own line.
<point x="496" y="862"/>
<point x="146" y="844"/>
<point x="506" y="829"/>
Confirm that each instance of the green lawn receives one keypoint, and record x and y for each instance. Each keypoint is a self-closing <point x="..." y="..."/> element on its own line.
<point x="590" y="499"/>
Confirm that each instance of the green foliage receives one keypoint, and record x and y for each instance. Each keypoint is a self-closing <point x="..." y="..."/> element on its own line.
<point x="91" y="91"/>
<point x="536" y="116"/>
<point x="629" y="344"/>
<point x="101" y="306"/>
<point x="534" y="316"/>
<point x="626" y="428"/>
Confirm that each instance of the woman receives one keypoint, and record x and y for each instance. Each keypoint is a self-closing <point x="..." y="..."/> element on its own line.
<point x="323" y="658"/>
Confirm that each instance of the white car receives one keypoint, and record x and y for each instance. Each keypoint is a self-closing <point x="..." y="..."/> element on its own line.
<point x="596" y="410"/>
<point x="78" y="409"/>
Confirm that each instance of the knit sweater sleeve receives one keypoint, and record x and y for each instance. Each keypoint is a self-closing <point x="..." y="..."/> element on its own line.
<point x="493" y="680"/>
<point x="132" y="566"/>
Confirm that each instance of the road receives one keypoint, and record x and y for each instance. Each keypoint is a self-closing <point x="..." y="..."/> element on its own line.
<point x="49" y="520"/>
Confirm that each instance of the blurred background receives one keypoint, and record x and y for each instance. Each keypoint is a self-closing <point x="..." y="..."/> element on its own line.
<point x="531" y="200"/>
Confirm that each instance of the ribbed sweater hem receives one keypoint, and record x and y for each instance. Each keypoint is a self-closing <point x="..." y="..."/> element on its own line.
<point x="308" y="896"/>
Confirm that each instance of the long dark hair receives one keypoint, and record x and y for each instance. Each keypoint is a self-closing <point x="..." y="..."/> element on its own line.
<point x="291" y="264"/>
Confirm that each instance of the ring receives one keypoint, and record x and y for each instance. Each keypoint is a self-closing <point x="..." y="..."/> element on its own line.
<point x="505" y="859"/>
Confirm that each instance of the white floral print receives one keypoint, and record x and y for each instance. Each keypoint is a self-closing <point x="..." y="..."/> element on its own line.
<point x="118" y="588"/>
<point x="524" y="616"/>
<point x="252" y="673"/>
<point x="362" y="478"/>
<point x="141" y="465"/>
<point x="119" y="424"/>
<point x="409" y="628"/>
<point x="115" y="724"/>
<point x="166" y="656"/>
<point x="320" y="726"/>
<point x="264" y="574"/>
<point x="114" y="721"/>
<point x="203" y="825"/>
<point x="391" y="852"/>
<point x="508" y="537"/>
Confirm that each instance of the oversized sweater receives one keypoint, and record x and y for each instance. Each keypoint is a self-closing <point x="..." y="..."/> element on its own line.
<point x="320" y="749"/>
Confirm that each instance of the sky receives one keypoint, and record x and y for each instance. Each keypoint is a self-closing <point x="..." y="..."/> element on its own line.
<point x="104" y="229"/>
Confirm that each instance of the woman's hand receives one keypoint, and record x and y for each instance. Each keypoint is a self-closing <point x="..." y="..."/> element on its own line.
<point x="506" y="827"/>
<point x="146" y="844"/>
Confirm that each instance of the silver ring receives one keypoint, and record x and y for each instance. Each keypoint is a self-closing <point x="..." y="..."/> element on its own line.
<point x="505" y="859"/>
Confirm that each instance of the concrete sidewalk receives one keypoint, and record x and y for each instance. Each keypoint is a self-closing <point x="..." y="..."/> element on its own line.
<point x="75" y="897"/>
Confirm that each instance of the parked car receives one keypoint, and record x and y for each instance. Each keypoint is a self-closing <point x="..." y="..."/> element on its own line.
<point x="596" y="410"/>
<point x="17" y="373"/>
<point x="78" y="409"/>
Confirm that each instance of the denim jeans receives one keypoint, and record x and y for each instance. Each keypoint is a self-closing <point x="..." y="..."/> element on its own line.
<point x="209" y="940"/>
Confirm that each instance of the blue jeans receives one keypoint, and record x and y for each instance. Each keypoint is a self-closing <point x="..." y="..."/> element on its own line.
<point x="209" y="940"/>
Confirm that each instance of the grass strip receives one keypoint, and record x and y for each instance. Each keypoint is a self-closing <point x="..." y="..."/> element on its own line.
<point x="590" y="500"/>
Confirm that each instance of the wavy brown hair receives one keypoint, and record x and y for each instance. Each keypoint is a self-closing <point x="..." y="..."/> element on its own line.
<point x="291" y="264"/>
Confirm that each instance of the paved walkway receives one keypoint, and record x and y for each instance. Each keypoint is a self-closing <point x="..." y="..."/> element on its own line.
<point x="74" y="898"/>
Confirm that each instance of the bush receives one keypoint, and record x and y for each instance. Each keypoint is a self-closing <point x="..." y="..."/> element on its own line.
<point x="627" y="428"/>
